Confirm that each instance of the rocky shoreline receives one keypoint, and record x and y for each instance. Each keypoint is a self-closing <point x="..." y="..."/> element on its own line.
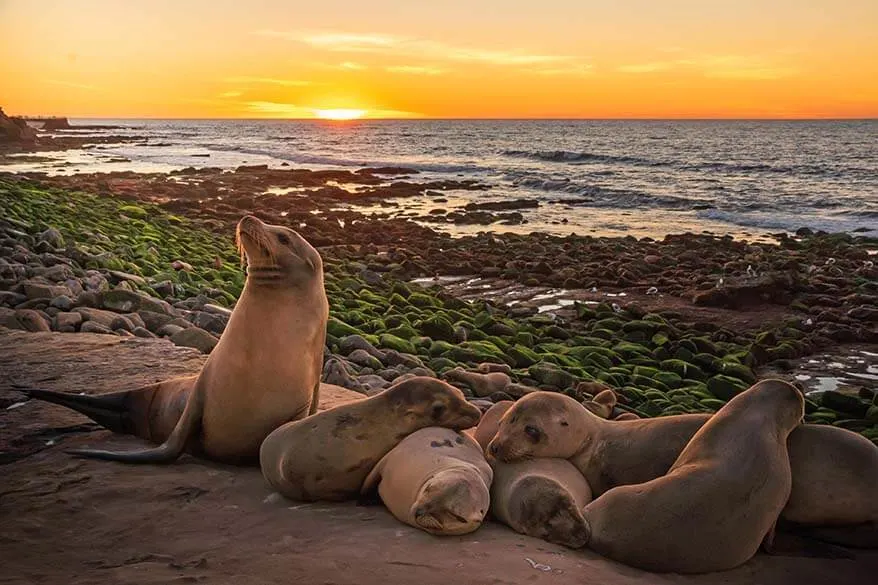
<point x="672" y="326"/>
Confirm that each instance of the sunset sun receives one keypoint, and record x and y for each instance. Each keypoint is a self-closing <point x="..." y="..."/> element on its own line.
<point x="339" y="114"/>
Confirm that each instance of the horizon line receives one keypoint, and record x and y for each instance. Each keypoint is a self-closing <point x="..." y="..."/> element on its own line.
<point x="475" y="119"/>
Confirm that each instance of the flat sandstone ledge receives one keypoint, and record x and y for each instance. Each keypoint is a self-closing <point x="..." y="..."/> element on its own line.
<point x="76" y="521"/>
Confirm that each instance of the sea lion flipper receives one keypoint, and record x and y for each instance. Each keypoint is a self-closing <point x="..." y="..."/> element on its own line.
<point x="111" y="410"/>
<point x="370" y="484"/>
<point x="315" y="399"/>
<point x="169" y="450"/>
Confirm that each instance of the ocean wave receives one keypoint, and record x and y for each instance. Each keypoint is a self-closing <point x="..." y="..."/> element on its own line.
<point x="567" y="156"/>
<point x="328" y="160"/>
<point x="790" y="221"/>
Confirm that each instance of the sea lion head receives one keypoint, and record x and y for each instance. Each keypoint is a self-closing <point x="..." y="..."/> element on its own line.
<point x="276" y="255"/>
<point x="429" y="402"/>
<point x="776" y="396"/>
<point x="541" y="424"/>
<point x="452" y="501"/>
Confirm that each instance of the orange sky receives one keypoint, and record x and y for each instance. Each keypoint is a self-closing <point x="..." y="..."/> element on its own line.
<point x="458" y="59"/>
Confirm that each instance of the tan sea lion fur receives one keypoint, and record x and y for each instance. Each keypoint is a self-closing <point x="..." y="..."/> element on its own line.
<point x="602" y="404"/>
<point x="435" y="479"/>
<point x="482" y="385"/>
<point x="264" y="371"/>
<point x="825" y="460"/>
<point x="719" y="501"/>
<point x="490" y="422"/>
<point x="328" y="455"/>
<point x="542" y="498"/>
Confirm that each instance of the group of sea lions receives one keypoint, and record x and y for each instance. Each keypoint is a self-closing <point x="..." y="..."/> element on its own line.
<point x="688" y="493"/>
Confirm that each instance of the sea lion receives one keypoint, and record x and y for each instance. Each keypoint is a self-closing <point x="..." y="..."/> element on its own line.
<point x="264" y="371"/>
<point x="435" y="479"/>
<point x="614" y="453"/>
<point x="328" y="455"/>
<point x="538" y="497"/>
<point x="602" y="404"/>
<point x="482" y="385"/>
<point x="542" y="498"/>
<point x="719" y="501"/>
<point x="489" y="423"/>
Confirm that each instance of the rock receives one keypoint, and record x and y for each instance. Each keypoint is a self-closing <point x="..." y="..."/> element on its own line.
<point x="95" y="327"/>
<point x="31" y="320"/>
<point x="393" y="358"/>
<point x="169" y="330"/>
<point x="396" y="343"/>
<point x="335" y="372"/>
<point x="217" y="310"/>
<point x="52" y="237"/>
<point x="143" y="332"/>
<point x="165" y="288"/>
<point x="351" y="343"/>
<point x="108" y="319"/>
<point x="11" y="299"/>
<point x="851" y="405"/>
<point x="67" y="322"/>
<point x="869" y="314"/>
<point x="36" y="290"/>
<point x="123" y="301"/>
<point x="551" y="376"/>
<point x="725" y="387"/>
<point x="119" y="276"/>
<point x="154" y="321"/>
<point x="62" y="303"/>
<point x="363" y="358"/>
<point x="212" y="323"/>
<point x="57" y="273"/>
<point x="195" y="337"/>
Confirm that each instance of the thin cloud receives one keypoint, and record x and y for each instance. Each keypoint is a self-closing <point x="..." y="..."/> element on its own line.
<point x="268" y="81"/>
<point x="71" y="84"/>
<point x="230" y="94"/>
<point x="718" y="67"/>
<point x="380" y="43"/>
<point x="581" y="69"/>
<point x="278" y="109"/>
<point x="414" y="70"/>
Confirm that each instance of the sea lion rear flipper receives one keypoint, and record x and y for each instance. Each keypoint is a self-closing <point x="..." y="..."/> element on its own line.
<point x="173" y="446"/>
<point x="369" y="489"/>
<point x="111" y="410"/>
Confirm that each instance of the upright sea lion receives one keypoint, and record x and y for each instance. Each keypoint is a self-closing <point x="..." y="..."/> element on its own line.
<point x="614" y="453"/>
<point x="328" y="455"/>
<point x="538" y="497"/>
<point x="720" y="499"/>
<point x="435" y="479"/>
<point x="264" y="371"/>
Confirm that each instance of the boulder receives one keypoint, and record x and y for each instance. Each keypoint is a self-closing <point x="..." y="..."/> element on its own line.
<point x="195" y="337"/>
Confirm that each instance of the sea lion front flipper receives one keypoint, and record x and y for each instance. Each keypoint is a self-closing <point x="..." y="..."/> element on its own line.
<point x="173" y="446"/>
<point x="315" y="399"/>
<point x="369" y="490"/>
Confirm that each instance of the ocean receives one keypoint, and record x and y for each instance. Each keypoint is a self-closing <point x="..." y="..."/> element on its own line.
<point x="641" y="178"/>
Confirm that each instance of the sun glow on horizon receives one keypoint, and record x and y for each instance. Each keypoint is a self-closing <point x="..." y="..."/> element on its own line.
<point x="340" y="114"/>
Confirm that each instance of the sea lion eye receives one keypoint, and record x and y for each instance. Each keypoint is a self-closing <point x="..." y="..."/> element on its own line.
<point x="532" y="432"/>
<point x="283" y="239"/>
<point x="438" y="410"/>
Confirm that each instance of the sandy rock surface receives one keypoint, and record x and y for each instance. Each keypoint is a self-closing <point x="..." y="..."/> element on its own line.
<point x="76" y="521"/>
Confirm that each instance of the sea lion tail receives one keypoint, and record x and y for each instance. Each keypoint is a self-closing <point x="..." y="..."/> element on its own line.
<point x="187" y="426"/>
<point x="112" y="411"/>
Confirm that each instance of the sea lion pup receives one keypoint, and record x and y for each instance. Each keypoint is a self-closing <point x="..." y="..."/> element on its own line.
<point x="435" y="479"/>
<point x="602" y="404"/>
<point x="542" y="498"/>
<point x="614" y="453"/>
<point x="721" y="497"/>
<point x="490" y="422"/>
<point x="328" y="455"/>
<point x="481" y="384"/>
<point x="264" y="371"/>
